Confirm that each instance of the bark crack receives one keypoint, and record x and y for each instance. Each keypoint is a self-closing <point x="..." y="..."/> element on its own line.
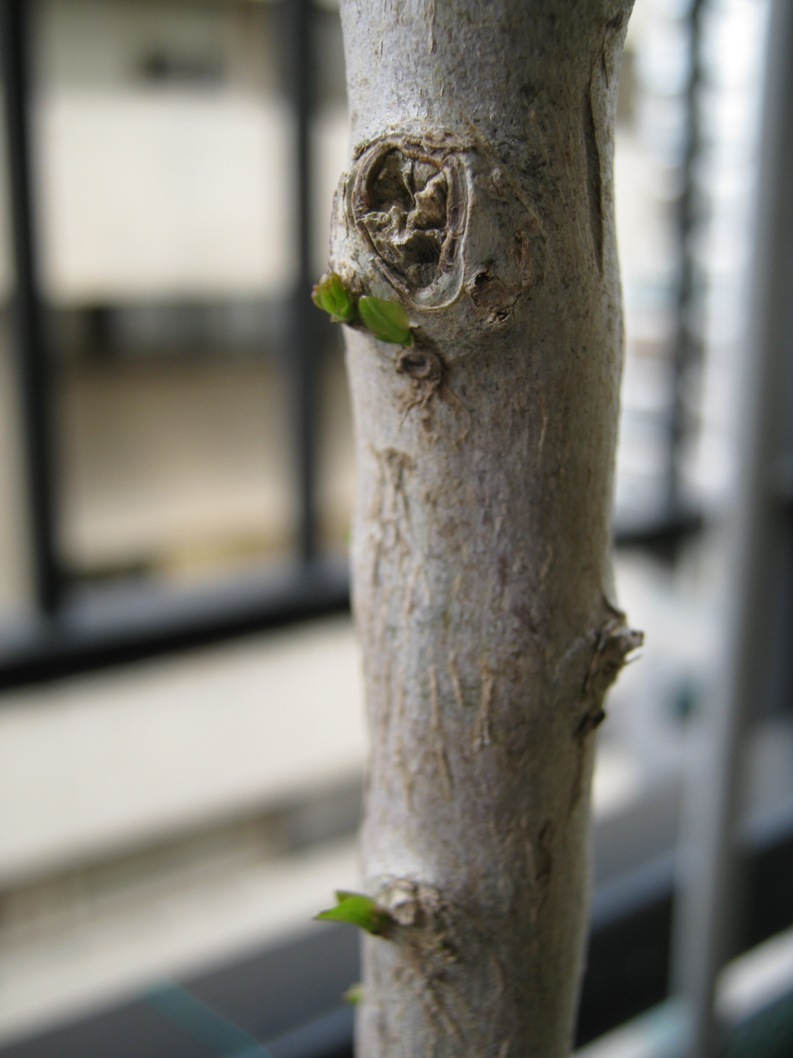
<point x="482" y="729"/>
<point x="439" y="749"/>
<point x="390" y="514"/>
<point x="454" y="676"/>
<point x="594" y="181"/>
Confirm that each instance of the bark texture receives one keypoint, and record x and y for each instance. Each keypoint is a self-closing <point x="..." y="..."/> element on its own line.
<point x="480" y="197"/>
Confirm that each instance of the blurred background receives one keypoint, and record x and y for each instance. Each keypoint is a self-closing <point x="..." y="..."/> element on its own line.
<point x="181" y="737"/>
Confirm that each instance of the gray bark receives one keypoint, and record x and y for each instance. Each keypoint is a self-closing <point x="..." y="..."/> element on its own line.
<point x="480" y="197"/>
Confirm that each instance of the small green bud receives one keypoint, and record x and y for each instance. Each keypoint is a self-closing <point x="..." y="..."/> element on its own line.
<point x="358" y="910"/>
<point x="354" y="995"/>
<point x="332" y="296"/>
<point x="386" y="320"/>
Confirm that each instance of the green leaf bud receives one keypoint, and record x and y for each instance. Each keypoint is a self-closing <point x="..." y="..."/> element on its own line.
<point x="332" y="296"/>
<point x="358" y="910"/>
<point x="387" y="320"/>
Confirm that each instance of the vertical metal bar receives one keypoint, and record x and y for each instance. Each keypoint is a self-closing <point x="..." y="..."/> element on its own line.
<point x="31" y="354"/>
<point x="687" y="342"/>
<point x="302" y="327"/>
<point x="754" y="536"/>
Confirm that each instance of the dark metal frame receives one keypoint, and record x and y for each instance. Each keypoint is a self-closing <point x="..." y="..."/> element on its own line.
<point x="32" y="359"/>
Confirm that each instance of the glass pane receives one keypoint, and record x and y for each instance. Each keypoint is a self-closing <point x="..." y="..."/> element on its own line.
<point x="163" y="143"/>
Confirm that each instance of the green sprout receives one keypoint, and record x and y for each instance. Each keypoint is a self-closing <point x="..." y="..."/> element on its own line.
<point x="387" y="320"/>
<point x="358" y="910"/>
<point x="332" y="296"/>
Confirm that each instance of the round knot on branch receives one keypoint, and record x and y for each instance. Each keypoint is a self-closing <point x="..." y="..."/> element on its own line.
<point x="441" y="227"/>
<point x="409" y="204"/>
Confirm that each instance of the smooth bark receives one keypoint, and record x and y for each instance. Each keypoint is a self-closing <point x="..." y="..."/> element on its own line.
<point x="480" y="197"/>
